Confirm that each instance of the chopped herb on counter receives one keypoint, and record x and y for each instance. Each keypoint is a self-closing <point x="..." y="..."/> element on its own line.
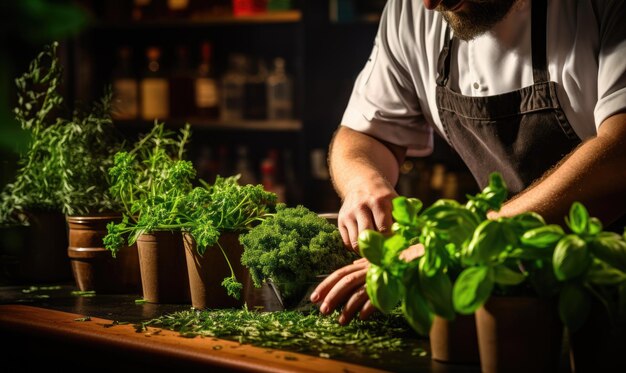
<point x="83" y="319"/>
<point x="86" y="293"/>
<point x="295" y="331"/>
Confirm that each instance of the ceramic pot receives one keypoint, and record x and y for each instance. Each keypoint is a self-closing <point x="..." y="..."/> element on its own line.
<point x="163" y="268"/>
<point x="93" y="266"/>
<point x="44" y="259"/>
<point x="519" y="334"/>
<point x="454" y="342"/>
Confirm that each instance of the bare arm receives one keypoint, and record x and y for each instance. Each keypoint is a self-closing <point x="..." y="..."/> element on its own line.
<point x="364" y="171"/>
<point x="594" y="174"/>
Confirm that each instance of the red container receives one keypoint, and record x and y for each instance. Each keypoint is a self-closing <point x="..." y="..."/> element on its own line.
<point x="249" y="7"/>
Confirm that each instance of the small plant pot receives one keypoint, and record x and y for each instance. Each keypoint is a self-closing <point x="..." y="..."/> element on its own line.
<point x="163" y="268"/>
<point x="44" y="259"/>
<point x="519" y="334"/>
<point x="454" y="342"/>
<point x="206" y="272"/>
<point x="92" y="265"/>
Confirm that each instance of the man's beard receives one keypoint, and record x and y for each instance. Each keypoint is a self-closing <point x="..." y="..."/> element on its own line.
<point x="479" y="17"/>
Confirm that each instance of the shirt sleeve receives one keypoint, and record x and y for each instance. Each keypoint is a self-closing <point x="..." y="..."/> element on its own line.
<point x="611" y="66"/>
<point x="384" y="102"/>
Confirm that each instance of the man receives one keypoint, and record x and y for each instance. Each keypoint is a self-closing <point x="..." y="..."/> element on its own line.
<point x="535" y="90"/>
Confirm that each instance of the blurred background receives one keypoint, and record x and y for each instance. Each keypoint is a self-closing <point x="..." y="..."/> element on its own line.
<point x="263" y="83"/>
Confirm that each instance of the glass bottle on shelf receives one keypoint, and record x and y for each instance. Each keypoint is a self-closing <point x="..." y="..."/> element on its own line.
<point x="154" y="88"/>
<point x="233" y="88"/>
<point x="279" y="92"/>
<point x="178" y="8"/>
<point x="256" y="92"/>
<point x="125" y="100"/>
<point x="181" y="85"/>
<point x="269" y="172"/>
<point x="206" y="91"/>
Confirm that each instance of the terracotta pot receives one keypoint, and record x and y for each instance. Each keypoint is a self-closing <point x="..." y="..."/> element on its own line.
<point x="454" y="342"/>
<point x="93" y="266"/>
<point x="597" y="346"/>
<point x="163" y="269"/>
<point x="206" y="272"/>
<point x="519" y="334"/>
<point x="44" y="259"/>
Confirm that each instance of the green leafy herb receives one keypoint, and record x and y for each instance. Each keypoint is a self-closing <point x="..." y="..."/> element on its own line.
<point x="291" y="248"/>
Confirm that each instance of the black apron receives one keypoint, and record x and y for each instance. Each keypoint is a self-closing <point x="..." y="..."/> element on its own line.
<point x="520" y="134"/>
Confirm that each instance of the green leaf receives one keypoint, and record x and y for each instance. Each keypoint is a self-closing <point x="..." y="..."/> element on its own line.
<point x="543" y="237"/>
<point x="574" y="306"/>
<point x="611" y="248"/>
<point x="578" y="218"/>
<point x="415" y="310"/>
<point x="437" y="290"/>
<point x="595" y="226"/>
<point x="571" y="257"/>
<point x="405" y="210"/>
<point x="488" y="241"/>
<point x="371" y="245"/>
<point x="601" y="273"/>
<point x="383" y="289"/>
<point x="472" y="289"/>
<point x="506" y="276"/>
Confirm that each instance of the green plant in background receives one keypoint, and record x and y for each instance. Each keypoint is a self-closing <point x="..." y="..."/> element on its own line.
<point x="291" y="248"/>
<point x="65" y="166"/>
<point x="156" y="189"/>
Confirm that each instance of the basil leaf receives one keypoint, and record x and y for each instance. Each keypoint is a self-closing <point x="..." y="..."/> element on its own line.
<point x="543" y="237"/>
<point x="611" y="248"/>
<point x="574" y="306"/>
<point x="416" y="311"/>
<point x="601" y="273"/>
<point x="488" y="241"/>
<point x="383" y="289"/>
<point x="371" y="245"/>
<point x="578" y="218"/>
<point x="437" y="290"/>
<point x="472" y="289"/>
<point x="595" y="226"/>
<point x="571" y="257"/>
<point x="506" y="276"/>
<point x="405" y="210"/>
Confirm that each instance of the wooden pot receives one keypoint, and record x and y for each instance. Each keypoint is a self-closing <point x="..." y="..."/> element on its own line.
<point x="163" y="269"/>
<point x="44" y="259"/>
<point x="519" y="334"/>
<point x="93" y="266"/>
<point x="454" y="342"/>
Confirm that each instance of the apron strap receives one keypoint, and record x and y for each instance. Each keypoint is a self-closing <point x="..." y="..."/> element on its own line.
<point x="538" y="39"/>
<point x="443" y="63"/>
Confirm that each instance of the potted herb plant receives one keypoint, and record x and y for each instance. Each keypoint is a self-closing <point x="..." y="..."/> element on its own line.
<point x="151" y="180"/>
<point x="34" y="198"/>
<point x="216" y="215"/>
<point x="290" y="249"/>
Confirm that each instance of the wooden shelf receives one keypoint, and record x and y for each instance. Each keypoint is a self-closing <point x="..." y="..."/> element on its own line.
<point x="278" y="17"/>
<point x="292" y="125"/>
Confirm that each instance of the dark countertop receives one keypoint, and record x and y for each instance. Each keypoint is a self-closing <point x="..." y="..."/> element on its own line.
<point x="44" y="319"/>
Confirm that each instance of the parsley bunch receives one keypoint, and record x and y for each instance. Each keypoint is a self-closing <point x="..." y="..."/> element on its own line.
<point x="291" y="248"/>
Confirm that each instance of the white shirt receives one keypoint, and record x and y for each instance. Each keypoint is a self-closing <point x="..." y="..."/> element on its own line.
<point x="394" y="95"/>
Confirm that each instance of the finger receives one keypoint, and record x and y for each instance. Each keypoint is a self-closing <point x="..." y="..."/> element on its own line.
<point x="329" y="282"/>
<point x="367" y="310"/>
<point x="355" y="303"/>
<point x="345" y="236"/>
<point x="381" y="213"/>
<point x="361" y="261"/>
<point x="342" y="290"/>
<point x="365" y="221"/>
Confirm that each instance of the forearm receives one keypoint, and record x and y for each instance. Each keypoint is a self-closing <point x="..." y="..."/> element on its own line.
<point x="594" y="174"/>
<point x="357" y="159"/>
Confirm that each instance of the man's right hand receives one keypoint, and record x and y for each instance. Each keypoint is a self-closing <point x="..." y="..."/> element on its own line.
<point x="365" y="206"/>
